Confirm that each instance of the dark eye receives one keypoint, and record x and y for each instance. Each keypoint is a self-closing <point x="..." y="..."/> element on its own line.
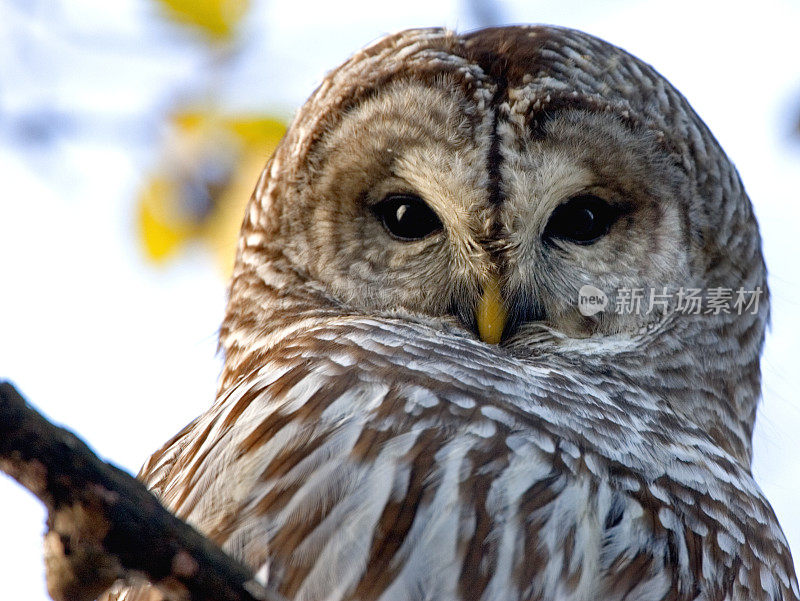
<point x="407" y="217"/>
<point x="583" y="219"/>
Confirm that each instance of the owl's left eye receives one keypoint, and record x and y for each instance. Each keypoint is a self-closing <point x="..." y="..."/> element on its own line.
<point x="407" y="217"/>
<point x="583" y="219"/>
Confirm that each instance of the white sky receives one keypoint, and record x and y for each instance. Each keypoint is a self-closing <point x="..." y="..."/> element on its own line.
<point x="124" y="354"/>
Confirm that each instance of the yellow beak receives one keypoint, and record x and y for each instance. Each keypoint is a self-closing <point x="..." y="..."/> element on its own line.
<point x="491" y="312"/>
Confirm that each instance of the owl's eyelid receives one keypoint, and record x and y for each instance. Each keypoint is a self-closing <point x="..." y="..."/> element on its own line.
<point x="372" y="201"/>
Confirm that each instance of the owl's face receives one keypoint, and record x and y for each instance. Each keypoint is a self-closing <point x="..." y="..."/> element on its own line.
<point x="477" y="183"/>
<point x="422" y="201"/>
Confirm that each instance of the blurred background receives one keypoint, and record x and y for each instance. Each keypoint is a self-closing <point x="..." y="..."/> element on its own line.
<point x="131" y="135"/>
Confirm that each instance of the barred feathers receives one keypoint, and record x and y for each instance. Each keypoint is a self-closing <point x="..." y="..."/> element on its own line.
<point x="366" y="444"/>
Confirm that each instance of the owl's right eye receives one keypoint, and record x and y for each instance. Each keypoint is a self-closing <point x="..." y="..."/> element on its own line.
<point x="407" y="217"/>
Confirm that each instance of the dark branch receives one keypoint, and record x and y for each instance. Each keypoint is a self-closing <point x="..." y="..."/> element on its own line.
<point x="104" y="524"/>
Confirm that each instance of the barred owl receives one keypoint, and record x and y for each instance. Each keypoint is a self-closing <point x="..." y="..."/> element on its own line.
<point x="413" y="404"/>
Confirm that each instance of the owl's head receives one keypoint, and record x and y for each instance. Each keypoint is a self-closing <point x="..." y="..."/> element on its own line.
<point x="505" y="184"/>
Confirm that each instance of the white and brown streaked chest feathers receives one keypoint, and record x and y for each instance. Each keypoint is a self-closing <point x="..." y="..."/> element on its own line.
<point x="369" y="443"/>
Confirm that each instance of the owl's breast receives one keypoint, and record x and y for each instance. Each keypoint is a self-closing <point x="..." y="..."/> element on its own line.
<point x="365" y="461"/>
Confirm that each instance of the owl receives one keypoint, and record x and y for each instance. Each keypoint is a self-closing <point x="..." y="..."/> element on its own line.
<point x="416" y="402"/>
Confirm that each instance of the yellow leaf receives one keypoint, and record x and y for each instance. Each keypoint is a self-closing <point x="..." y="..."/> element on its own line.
<point x="189" y="120"/>
<point x="216" y="18"/>
<point x="160" y="233"/>
<point x="211" y="162"/>
<point x="256" y="130"/>
<point x="222" y="229"/>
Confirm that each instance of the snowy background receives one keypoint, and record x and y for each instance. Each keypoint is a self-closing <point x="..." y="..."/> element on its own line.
<point x="123" y="353"/>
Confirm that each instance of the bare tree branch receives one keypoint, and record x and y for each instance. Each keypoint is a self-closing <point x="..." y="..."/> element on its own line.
<point x="103" y="524"/>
